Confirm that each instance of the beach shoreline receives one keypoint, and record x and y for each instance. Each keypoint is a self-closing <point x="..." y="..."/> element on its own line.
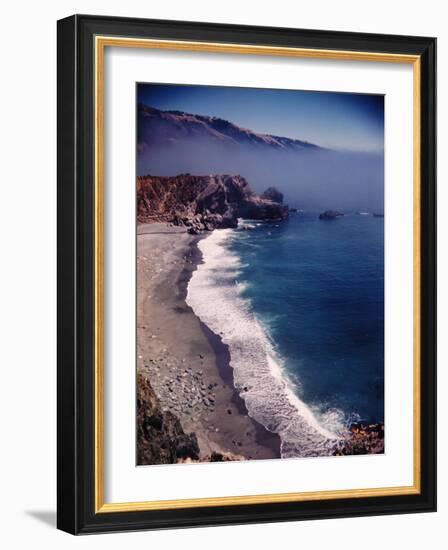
<point x="187" y="364"/>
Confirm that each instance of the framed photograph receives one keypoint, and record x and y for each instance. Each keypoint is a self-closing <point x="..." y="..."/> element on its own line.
<point x="246" y="274"/>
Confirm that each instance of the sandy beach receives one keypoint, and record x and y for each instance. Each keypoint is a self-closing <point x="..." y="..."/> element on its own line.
<point x="187" y="364"/>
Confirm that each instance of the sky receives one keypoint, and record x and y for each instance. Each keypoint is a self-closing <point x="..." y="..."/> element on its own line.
<point x="341" y="121"/>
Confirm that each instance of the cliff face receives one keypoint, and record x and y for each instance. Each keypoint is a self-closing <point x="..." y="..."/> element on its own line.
<point x="160" y="437"/>
<point x="204" y="202"/>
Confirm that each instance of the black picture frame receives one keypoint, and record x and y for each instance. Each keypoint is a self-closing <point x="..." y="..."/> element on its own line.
<point x="76" y="286"/>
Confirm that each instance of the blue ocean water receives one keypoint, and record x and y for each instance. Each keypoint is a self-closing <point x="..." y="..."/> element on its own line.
<point x="318" y="289"/>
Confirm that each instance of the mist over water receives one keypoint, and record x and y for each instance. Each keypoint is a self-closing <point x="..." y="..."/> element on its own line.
<point x="309" y="178"/>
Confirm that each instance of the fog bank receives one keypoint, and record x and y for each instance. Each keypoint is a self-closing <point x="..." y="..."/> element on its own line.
<point x="319" y="178"/>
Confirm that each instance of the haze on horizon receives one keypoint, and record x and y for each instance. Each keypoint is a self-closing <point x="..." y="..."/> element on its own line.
<point x="347" y="174"/>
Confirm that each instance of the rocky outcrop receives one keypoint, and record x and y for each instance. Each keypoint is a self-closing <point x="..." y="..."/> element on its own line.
<point x="362" y="439"/>
<point x="202" y="203"/>
<point x="330" y="215"/>
<point x="160" y="437"/>
<point x="273" y="194"/>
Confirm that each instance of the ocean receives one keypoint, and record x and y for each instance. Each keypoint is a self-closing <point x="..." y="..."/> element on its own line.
<point x="300" y="304"/>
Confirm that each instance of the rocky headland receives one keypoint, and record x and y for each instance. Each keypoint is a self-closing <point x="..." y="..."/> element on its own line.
<point x="204" y="203"/>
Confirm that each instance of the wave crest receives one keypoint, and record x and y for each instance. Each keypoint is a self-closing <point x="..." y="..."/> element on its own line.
<point x="215" y="295"/>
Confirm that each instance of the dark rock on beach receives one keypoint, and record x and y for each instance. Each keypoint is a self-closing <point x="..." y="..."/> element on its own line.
<point x="330" y="215"/>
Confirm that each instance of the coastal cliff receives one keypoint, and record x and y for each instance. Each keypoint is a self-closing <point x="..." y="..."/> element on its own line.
<point x="161" y="439"/>
<point x="202" y="202"/>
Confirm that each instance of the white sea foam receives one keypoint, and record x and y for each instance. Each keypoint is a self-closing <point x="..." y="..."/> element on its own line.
<point x="215" y="295"/>
<point x="246" y="224"/>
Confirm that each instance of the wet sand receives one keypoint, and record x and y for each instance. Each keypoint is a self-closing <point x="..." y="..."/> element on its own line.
<point x="187" y="364"/>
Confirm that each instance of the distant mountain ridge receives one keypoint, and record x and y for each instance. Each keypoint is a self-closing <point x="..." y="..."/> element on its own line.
<point x="161" y="128"/>
<point x="177" y="142"/>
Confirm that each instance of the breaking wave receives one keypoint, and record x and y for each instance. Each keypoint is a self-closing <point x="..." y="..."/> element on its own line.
<point x="216" y="296"/>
